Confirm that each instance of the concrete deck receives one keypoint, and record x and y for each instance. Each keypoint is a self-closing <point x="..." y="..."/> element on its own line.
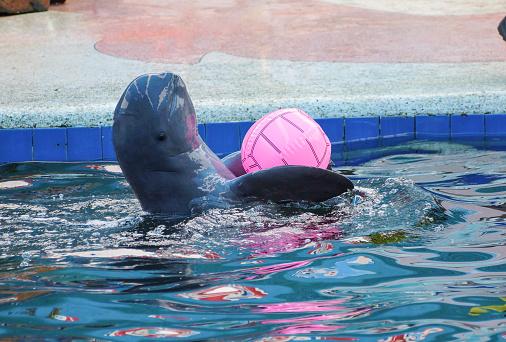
<point x="242" y="59"/>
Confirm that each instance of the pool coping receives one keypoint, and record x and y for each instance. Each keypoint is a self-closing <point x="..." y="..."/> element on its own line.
<point x="85" y="144"/>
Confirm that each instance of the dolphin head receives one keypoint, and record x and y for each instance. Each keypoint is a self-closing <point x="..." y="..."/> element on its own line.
<point x="154" y="136"/>
<point x="155" y="116"/>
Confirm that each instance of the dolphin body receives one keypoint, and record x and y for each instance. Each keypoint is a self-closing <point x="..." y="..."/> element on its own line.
<point x="171" y="169"/>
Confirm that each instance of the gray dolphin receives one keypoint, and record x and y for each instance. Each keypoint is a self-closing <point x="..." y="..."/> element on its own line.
<point x="170" y="168"/>
<point x="502" y="28"/>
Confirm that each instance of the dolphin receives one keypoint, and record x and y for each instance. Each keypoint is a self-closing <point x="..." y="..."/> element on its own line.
<point x="502" y="28"/>
<point x="171" y="170"/>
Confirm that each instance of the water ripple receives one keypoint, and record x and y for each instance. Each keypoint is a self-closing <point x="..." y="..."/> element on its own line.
<point x="415" y="253"/>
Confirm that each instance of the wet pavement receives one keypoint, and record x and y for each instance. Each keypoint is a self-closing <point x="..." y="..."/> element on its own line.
<point x="242" y="59"/>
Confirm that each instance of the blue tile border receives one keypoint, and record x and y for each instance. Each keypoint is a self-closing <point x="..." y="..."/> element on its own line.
<point x="333" y="127"/>
<point x="495" y="125"/>
<point x="467" y="126"/>
<point x="397" y="126"/>
<point x="84" y="144"/>
<point x="201" y="129"/>
<point x="16" y="145"/>
<point x="50" y="144"/>
<point x="361" y="133"/>
<point x="359" y="129"/>
<point x="432" y="126"/>
<point x="223" y="137"/>
<point x="107" y="146"/>
<point x="346" y="134"/>
<point x="243" y="129"/>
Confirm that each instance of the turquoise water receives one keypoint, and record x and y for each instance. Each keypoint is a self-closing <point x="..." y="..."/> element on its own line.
<point x="415" y="253"/>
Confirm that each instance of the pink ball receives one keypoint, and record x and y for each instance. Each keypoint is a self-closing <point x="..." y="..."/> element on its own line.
<point x="285" y="137"/>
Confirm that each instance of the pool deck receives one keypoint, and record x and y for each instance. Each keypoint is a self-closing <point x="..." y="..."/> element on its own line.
<point x="240" y="60"/>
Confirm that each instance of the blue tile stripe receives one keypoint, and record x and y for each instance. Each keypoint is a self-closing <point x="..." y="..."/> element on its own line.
<point x="360" y="129"/>
<point x="361" y="133"/>
<point x="495" y="125"/>
<point x="432" y="126"/>
<point x="50" y="144"/>
<point x="397" y="126"/>
<point x="84" y="144"/>
<point x="16" y="145"/>
<point x="107" y="146"/>
<point x="467" y="126"/>
<point x="223" y="137"/>
<point x="95" y="143"/>
<point x="333" y="127"/>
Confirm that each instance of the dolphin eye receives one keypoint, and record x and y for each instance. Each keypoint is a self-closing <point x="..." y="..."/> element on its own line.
<point x="161" y="136"/>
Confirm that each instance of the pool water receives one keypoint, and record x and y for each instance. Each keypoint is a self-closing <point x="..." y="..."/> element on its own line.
<point x="416" y="252"/>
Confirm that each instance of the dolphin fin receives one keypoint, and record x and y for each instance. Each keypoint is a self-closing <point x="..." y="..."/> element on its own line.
<point x="291" y="183"/>
<point x="234" y="164"/>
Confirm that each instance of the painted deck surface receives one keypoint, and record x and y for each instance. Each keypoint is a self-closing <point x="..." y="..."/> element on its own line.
<point x="243" y="59"/>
